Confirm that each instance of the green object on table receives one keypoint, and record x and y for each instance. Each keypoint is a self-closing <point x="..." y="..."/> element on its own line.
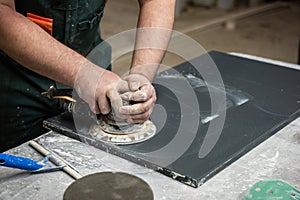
<point x="271" y="190"/>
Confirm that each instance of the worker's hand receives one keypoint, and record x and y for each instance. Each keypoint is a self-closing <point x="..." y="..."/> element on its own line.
<point x="144" y="96"/>
<point x="101" y="89"/>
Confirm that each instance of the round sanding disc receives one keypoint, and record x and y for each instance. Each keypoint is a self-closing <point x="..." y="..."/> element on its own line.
<point x="109" y="186"/>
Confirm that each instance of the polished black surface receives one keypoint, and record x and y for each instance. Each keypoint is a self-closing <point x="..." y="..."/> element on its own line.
<point x="261" y="99"/>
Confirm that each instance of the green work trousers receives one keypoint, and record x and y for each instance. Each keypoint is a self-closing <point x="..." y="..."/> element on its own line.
<point x="23" y="109"/>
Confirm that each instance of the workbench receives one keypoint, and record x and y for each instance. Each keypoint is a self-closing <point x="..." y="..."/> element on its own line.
<point x="276" y="158"/>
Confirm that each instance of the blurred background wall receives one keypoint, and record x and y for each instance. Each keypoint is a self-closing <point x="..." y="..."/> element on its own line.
<point x="263" y="28"/>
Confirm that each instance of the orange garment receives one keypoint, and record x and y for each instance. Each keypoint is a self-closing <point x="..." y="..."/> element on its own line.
<point x="43" y="22"/>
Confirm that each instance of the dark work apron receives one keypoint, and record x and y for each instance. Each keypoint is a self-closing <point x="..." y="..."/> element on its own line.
<point x="76" y="24"/>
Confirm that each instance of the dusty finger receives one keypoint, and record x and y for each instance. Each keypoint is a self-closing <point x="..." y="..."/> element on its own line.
<point x="92" y="104"/>
<point x="136" y="121"/>
<point x="127" y="96"/>
<point x="96" y="108"/>
<point x="115" y="101"/>
<point x="103" y="103"/>
<point x="145" y="116"/>
<point x="141" y="118"/>
<point x="122" y="86"/>
<point x="145" y="93"/>
<point x="138" y="108"/>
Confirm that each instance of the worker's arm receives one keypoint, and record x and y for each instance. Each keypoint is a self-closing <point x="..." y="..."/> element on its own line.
<point x="154" y="28"/>
<point x="31" y="46"/>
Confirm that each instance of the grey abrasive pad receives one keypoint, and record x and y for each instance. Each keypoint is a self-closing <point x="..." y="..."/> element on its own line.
<point x="109" y="186"/>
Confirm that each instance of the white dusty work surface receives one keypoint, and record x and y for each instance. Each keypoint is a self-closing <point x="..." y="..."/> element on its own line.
<point x="276" y="158"/>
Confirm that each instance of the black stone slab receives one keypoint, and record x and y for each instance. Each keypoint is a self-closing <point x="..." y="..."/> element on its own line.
<point x="261" y="99"/>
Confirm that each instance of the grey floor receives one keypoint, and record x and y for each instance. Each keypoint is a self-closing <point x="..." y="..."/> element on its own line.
<point x="273" y="34"/>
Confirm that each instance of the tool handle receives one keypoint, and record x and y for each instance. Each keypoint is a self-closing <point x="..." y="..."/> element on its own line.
<point x="18" y="162"/>
<point x="45" y="152"/>
<point x="52" y="92"/>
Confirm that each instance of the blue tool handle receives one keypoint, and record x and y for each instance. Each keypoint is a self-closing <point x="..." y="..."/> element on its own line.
<point x="7" y="160"/>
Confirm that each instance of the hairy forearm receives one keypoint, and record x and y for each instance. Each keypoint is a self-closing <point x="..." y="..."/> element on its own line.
<point x="155" y="24"/>
<point x="34" y="48"/>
